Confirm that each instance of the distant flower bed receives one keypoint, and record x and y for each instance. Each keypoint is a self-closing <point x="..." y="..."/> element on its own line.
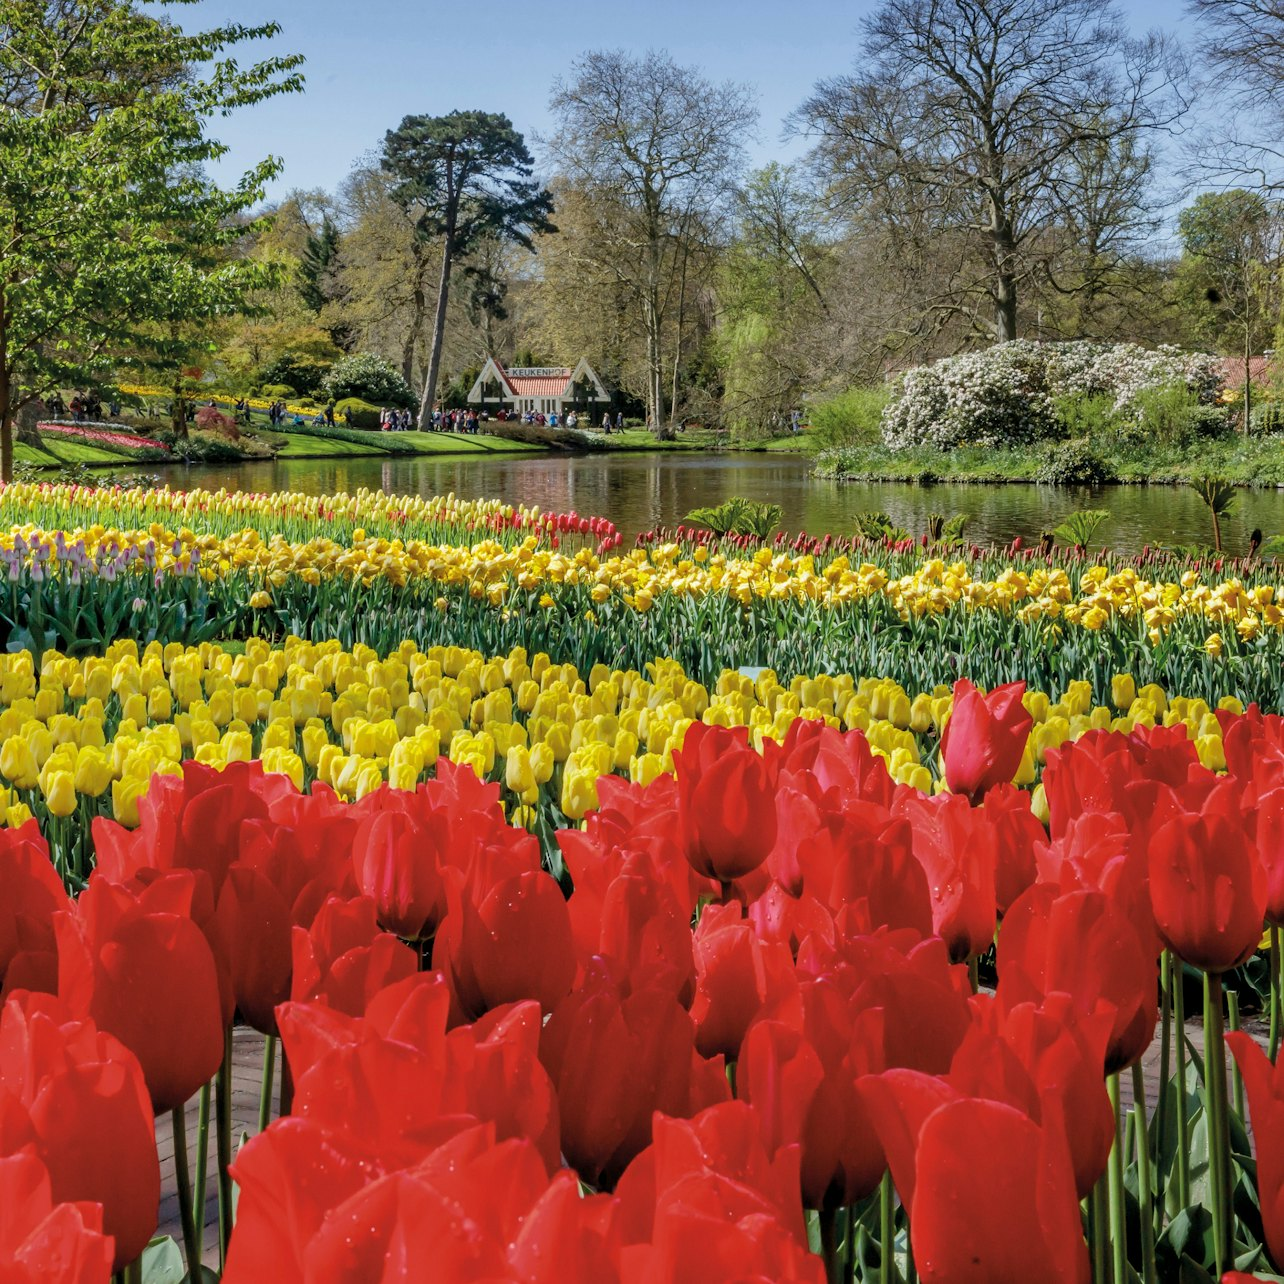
<point x="107" y="434"/>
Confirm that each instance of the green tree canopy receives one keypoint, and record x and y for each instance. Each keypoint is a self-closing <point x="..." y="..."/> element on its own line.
<point x="463" y="178"/>
<point x="112" y="237"/>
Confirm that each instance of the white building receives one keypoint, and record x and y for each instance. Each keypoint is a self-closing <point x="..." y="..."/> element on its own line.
<point x="539" y="389"/>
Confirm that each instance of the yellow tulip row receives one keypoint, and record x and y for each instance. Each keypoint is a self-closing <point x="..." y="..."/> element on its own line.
<point x="491" y="570"/>
<point x="76" y="730"/>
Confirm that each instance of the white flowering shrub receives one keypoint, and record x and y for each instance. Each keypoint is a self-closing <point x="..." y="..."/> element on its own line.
<point x="1007" y="395"/>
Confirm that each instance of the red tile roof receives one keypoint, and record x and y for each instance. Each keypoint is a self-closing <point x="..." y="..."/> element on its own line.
<point x="1232" y="369"/>
<point x="538" y="385"/>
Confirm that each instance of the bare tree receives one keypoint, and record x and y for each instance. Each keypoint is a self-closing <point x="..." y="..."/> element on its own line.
<point x="1242" y="50"/>
<point x="974" y="115"/>
<point x="660" y="146"/>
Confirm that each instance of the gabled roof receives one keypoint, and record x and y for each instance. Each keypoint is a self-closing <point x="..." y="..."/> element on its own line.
<point x="541" y="385"/>
<point x="540" y="381"/>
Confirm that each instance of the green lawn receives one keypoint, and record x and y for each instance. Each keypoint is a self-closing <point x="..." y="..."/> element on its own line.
<point x="66" y="450"/>
<point x="302" y="445"/>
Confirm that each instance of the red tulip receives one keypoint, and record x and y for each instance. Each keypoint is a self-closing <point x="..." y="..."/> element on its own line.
<point x="1035" y="1052"/>
<point x="1264" y="1084"/>
<point x="277" y="1214"/>
<point x="30" y="894"/>
<point x="984" y="738"/>
<point x="44" y="1240"/>
<point x="77" y="1097"/>
<point x="990" y="1193"/>
<point x="395" y="857"/>
<point x="1208" y="890"/>
<point x="924" y="999"/>
<point x="149" y="978"/>
<point x="1270" y="847"/>
<point x="1018" y="836"/>
<point x="726" y="803"/>
<point x="614" y="1062"/>
<point x="736" y="976"/>
<point x="1079" y="944"/>
<point x="1099" y="851"/>
<point x="514" y="943"/>
<point x="254" y="924"/>
<point x="1098" y="772"/>
<point x="343" y="959"/>
<point x="192" y="821"/>
<point x="713" y="1162"/>
<point x="636" y="922"/>
<point x="460" y="1208"/>
<point x="799" y="1074"/>
<point x="957" y="846"/>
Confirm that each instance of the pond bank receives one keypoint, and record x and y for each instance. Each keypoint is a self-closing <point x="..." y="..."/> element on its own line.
<point x="1255" y="463"/>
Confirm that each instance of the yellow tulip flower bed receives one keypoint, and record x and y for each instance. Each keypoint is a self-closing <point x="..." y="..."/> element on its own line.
<point x="81" y="737"/>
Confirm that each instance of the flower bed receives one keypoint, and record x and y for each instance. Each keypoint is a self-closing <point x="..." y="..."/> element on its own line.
<point x="593" y="956"/>
<point x="106" y="434"/>
<point x="739" y="1035"/>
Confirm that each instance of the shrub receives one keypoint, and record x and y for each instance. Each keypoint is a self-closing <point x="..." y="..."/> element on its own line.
<point x="1091" y="415"/>
<point x="1073" y="463"/>
<point x="998" y="397"/>
<point x="301" y="374"/>
<point x="1176" y="416"/>
<point x="1268" y="419"/>
<point x="1021" y="392"/>
<point x="276" y="391"/>
<point x="851" y="417"/>
<point x="370" y="378"/>
<point x="356" y="413"/>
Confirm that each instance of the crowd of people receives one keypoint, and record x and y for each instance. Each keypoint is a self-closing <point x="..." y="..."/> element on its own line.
<point x="84" y="407"/>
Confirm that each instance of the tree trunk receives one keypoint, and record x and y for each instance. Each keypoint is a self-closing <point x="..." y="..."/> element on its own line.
<point x="1003" y="248"/>
<point x="1005" y="307"/>
<point x="6" y="400"/>
<point x="438" y="334"/>
<point x="419" y="304"/>
<point x="1248" y="380"/>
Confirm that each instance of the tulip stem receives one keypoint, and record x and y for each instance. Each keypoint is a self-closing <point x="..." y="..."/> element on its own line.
<point x="974" y="973"/>
<point x="202" y="1156"/>
<point x="886" y="1230"/>
<point x="1276" y="998"/>
<point x="1097" y="1223"/>
<point x="186" y="1209"/>
<point x="269" y="1073"/>
<point x="1183" y="1123"/>
<point x="1144" y="1178"/>
<point x="829" y="1245"/>
<point x="223" y="1107"/>
<point x="1237" y="1083"/>
<point x="1215" y="1110"/>
<point x="1165" y="1069"/>
<point x="1118" y="1219"/>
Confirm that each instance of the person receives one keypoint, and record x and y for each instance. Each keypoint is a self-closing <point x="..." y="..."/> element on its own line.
<point x="572" y="419"/>
<point x="77" y="409"/>
<point x="383" y="418"/>
<point x="297" y="421"/>
<point x="329" y="414"/>
<point x="619" y="421"/>
<point x="552" y="419"/>
<point x="606" y="422"/>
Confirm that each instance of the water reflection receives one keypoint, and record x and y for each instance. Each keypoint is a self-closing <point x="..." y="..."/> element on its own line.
<point x="641" y="491"/>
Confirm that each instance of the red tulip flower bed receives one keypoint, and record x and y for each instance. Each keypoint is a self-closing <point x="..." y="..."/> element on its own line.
<point x="749" y="1045"/>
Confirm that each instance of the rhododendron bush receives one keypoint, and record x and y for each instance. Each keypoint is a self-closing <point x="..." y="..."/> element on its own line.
<point x="1006" y="395"/>
<point x="756" y="1029"/>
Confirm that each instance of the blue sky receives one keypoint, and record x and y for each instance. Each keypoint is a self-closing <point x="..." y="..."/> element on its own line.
<point x="372" y="62"/>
